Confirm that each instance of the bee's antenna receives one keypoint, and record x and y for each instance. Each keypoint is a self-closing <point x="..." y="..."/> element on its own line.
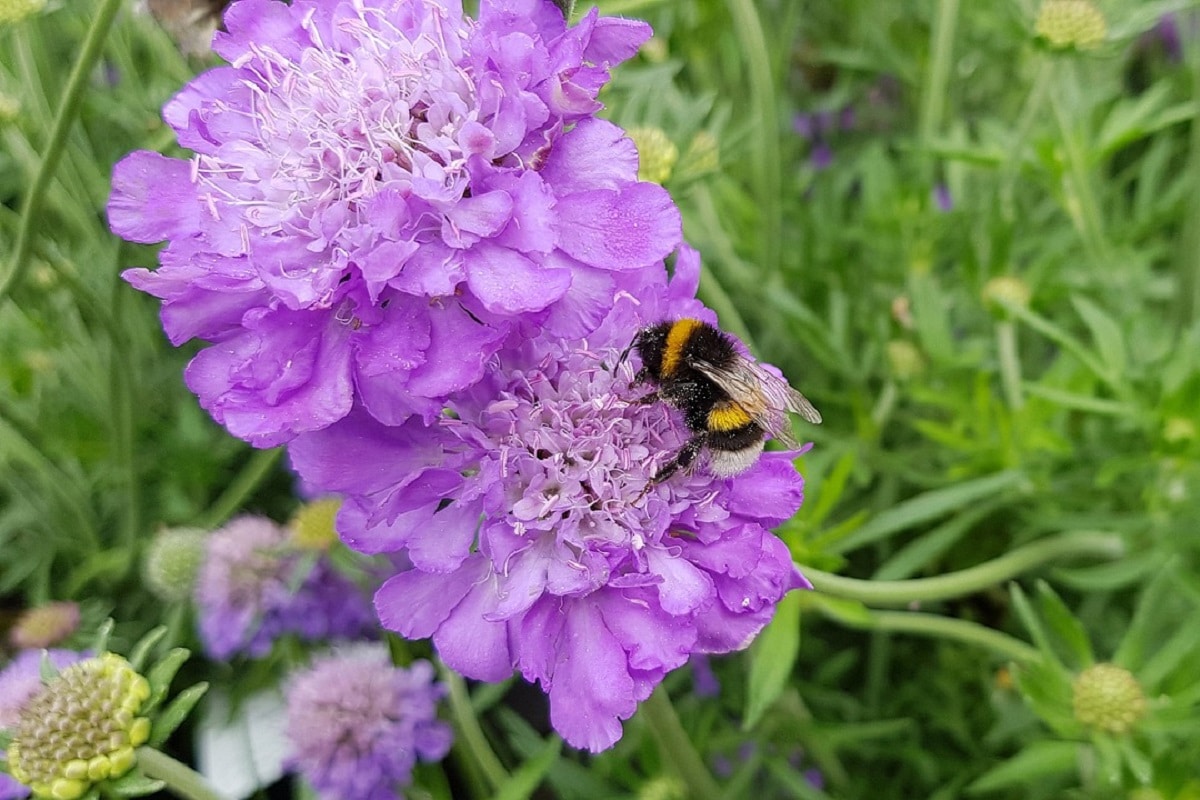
<point x="625" y="352"/>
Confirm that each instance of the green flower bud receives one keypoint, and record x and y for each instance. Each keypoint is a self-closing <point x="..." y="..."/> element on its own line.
<point x="1146" y="793"/>
<point x="1006" y="289"/>
<point x="81" y="729"/>
<point x="12" y="11"/>
<point x="44" y="626"/>
<point x="664" y="787"/>
<point x="172" y="562"/>
<point x="1108" y="698"/>
<point x="10" y="108"/>
<point x="904" y="359"/>
<point x="703" y="155"/>
<point x="313" y="527"/>
<point x="1071" y="23"/>
<point x="1178" y="430"/>
<point x="657" y="154"/>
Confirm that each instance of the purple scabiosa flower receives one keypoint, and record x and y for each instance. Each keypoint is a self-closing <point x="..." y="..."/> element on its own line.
<point x="534" y="541"/>
<point x="20" y="680"/>
<point x="357" y="724"/>
<point x="381" y="191"/>
<point x="255" y="585"/>
<point x="45" y="625"/>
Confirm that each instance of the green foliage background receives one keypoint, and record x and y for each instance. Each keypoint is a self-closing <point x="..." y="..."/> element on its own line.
<point x="971" y="438"/>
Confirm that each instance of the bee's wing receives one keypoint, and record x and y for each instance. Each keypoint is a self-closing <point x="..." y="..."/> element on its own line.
<point x="764" y="396"/>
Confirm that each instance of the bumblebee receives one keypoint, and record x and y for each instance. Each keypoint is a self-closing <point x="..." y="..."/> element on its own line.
<point x="729" y="402"/>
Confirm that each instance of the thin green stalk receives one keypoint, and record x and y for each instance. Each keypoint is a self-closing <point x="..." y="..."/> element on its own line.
<point x="1010" y="364"/>
<point x="470" y="734"/>
<point x="234" y="496"/>
<point x="676" y="748"/>
<point x="1020" y="140"/>
<point x="937" y="78"/>
<point x="121" y="407"/>
<point x="1076" y="544"/>
<point x="713" y="295"/>
<point x="68" y="108"/>
<point x="1079" y="189"/>
<point x="940" y="627"/>
<point x="180" y="779"/>
<point x="767" y="160"/>
<point x="1187" y="254"/>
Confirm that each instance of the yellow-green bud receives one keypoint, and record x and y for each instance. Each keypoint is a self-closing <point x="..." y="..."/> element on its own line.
<point x="313" y="527"/>
<point x="1006" y="289"/>
<point x="172" y="562"/>
<point x="1178" y="430"/>
<point x="703" y="155"/>
<point x="10" y="108"/>
<point x="654" y="50"/>
<point x="44" y="626"/>
<point x="1108" y="698"/>
<point x="16" y="10"/>
<point x="1146" y="793"/>
<point x="657" y="154"/>
<point x="80" y="729"/>
<point x="663" y="787"/>
<point x="1071" y="23"/>
<point x="904" y="359"/>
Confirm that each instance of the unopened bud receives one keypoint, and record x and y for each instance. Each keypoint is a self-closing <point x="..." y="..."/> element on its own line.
<point x="1071" y="23"/>
<point x="44" y="626"/>
<point x="313" y="527"/>
<point x="657" y="154"/>
<point x="1108" y="698"/>
<point x="172" y="562"/>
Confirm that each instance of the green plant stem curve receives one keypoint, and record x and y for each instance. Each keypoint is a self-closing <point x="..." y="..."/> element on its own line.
<point x="67" y="111"/>
<point x="939" y="627"/>
<point x="676" y="748"/>
<point x="180" y="779"/>
<point x="1075" y="544"/>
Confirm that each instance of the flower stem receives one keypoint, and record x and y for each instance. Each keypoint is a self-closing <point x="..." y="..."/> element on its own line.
<point x="933" y="99"/>
<point x="1079" y="193"/>
<point x="255" y="471"/>
<point x="68" y="107"/>
<point x="470" y="734"/>
<point x="1010" y="363"/>
<point x="676" y="748"/>
<point x="940" y="627"/>
<point x="1187" y="254"/>
<point x="973" y="579"/>
<point x="180" y="779"/>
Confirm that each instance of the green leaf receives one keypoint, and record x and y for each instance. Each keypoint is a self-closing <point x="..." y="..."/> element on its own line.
<point x="161" y="675"/>
<point x="848" y="612"/>
<point x="525" y="779"/>
<point x="141" y="651"/>
<point x="1069" y="630"/>
<point x="918" y="553"/>
<point x="134" y="784"/>
<point x="929" y="506"/>
<point x="772" y="657"/>
<point x="1113" y="575"/>
<point x="1036" y="762"/>
<point x="1142" y="634"/>
<point x="1109" y="340"/>
<point x="1140" y="765"/>
<point x="175" y="713"/>
<point x="100" y="642"/>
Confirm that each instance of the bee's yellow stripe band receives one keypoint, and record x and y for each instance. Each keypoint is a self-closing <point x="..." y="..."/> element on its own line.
<point x="727" y="417"/>
<point x="677" y="337"/>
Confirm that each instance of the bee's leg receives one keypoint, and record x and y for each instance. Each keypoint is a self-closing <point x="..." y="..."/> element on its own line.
<point x="682" y="460"/>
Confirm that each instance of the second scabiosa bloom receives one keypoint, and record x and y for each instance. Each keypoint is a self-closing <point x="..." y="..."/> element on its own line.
<point x="381" y="191"/>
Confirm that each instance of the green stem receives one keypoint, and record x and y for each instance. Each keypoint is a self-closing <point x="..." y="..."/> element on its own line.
<point x="180" y="779"/>
<point x="121" y="394"/>
<point x="255" y="471"/>
<point x="713" y="295"/>
<point x="973" y="579"/>
<point x="470" y="734"/>
<point x="940" y="627"/>
<point x="1021" y="139"/>
<point x="1187" y="256"/>
<point x="68" y="108"/>
<point x="676" y="748"/>
<point x="1079" y="193"/>
<point x="1010" y="363"/>
<point x="768" y="175"/>
<point x="937" y="79"/>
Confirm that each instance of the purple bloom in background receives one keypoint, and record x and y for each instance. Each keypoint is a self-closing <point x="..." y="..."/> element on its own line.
<point x="382" y="191"/>
<point x="942" y="198"/>
<point x="357" y="724"/>
<point x="533" y="546"/>
<point x="255" y="586"/>
<point x="20" y="680"/>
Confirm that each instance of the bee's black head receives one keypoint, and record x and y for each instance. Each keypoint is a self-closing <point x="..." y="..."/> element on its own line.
<point x="650" y="344"/>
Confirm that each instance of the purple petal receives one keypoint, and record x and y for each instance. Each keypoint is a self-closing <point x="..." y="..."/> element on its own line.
<point x="507" y="282"/>
<point x="153" y="198"/>
<point x="250" y="22"/>
<point x="654" y="640"/>
<point x="415" y="604"/>
<point x="615" y="39"/>
<point x="595" y="154"/>
<point x="619" y="230"/>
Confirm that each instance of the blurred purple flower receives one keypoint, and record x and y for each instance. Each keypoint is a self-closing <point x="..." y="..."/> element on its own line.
<point x="255" y="586"/>
<point x="704" y="680"/>
<point x="357" y="724"/>
<point x="20" y="680"/>
<point x="382" y="191"/>
<point x="942" y="198"/>
<point x="532" y="544"/>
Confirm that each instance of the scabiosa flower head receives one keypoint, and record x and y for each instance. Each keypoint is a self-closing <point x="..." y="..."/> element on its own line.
<point x="1108" y="698"/>
<point x="1071" y="23"/>
<point x="12" y="11"/>
<point x="254" y="587"/>
<point x="312" y="527"/>
<point x="172" y="562"/>
<point x="44" y="626"/>
<point x="657" y="154"/>
<point x="358" y="724"/>
<point x="20" y="680"/>
<point x="535" y="540"/>
<point x="81" y="728"/>
<point x="382" y="190"/>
